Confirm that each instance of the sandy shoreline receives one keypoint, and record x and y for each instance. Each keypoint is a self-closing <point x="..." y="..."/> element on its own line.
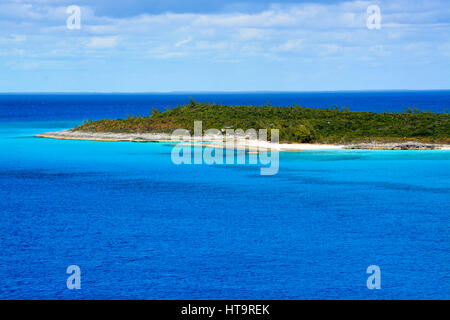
<point x="207" y="141"/>
<point x="217" y="142"/>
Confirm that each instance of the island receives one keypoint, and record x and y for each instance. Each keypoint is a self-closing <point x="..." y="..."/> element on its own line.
<point x="299" y="127"/>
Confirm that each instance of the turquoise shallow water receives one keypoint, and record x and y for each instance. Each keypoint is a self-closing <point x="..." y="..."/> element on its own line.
<point x="141" y="227"/>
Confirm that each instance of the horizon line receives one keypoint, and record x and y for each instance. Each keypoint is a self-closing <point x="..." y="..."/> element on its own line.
<point x="217" y="92"/>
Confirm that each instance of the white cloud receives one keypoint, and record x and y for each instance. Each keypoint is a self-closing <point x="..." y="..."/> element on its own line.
<point x="291" y="45"/>
<point x="329" y="49"/>
<point x="212" y="45"/>
<point x="102" y="42"/>
<point x="301" y="29"/>
<point x="251" y="33"/>
<point x="183" y="42"/>
<point x="14" y="38"/>
<point x="379" y="50"/>
<point x="169" y="55"/>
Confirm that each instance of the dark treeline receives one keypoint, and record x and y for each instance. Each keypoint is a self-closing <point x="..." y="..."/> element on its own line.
<point x="296" y="124"/>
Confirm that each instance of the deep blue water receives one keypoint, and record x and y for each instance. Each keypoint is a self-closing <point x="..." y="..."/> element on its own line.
<point x="141" y="227"/>
<point x="39" y="107"/>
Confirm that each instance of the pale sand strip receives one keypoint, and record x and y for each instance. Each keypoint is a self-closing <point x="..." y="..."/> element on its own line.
<point x="51" y="136"/>
<point x="207" y="141"/>
<point x="251" y="149"/>
<point x="239" y="143"/>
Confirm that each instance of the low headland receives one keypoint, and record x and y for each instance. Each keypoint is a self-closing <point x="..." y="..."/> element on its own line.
<point x="299" y="128"/>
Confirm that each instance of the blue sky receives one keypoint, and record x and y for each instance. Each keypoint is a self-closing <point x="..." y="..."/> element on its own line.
<point x="234" y="45"/>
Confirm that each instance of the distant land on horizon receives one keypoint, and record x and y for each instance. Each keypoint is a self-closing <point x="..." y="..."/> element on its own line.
<point x="222" y="92"/>
<point x="295" y="124"/>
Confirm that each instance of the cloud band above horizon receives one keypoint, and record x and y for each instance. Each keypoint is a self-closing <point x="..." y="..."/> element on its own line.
<point x="239" y="46"/>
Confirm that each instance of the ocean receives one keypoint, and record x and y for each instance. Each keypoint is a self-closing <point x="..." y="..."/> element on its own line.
<point x="141" y="227"/>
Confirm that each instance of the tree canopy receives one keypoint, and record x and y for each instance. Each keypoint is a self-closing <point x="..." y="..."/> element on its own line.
<point x="296" y="124"/>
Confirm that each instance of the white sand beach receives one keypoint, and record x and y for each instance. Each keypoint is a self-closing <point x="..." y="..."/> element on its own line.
<point x="239" y="143"/>
<point x="208" y="141"/>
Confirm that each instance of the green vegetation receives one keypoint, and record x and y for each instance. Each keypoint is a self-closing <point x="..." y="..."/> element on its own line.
<point x="296" y="124"/>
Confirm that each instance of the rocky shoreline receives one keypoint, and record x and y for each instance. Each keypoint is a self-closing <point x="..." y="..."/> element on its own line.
<point x="101" y="136"/>
<point x="165" y="137"/>
<point x="398" y="146"/>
